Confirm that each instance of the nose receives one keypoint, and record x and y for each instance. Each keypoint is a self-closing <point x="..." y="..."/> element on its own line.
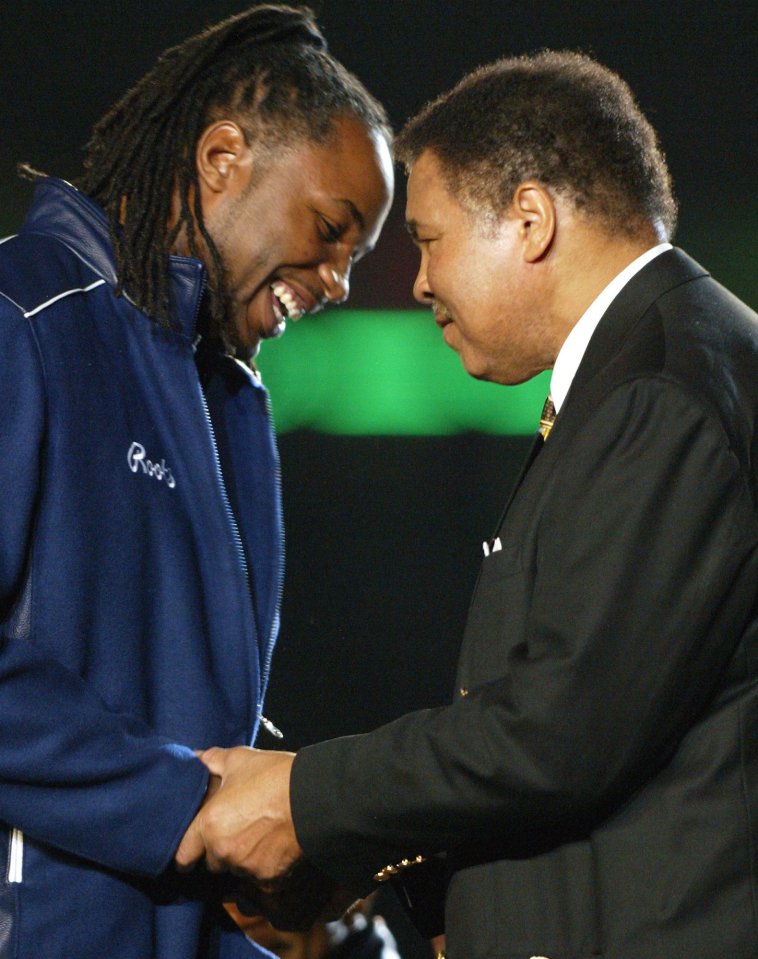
<point x="336" y="282"/>
<point x="422" y="291"/>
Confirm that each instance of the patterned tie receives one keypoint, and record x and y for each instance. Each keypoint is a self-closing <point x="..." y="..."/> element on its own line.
<point x="547" y="419"/>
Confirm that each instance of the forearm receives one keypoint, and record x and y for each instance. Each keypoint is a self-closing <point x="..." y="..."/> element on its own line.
<point x="84" y="779"/>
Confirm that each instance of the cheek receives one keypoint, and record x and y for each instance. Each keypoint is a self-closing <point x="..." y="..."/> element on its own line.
<point x="248" y="267"/>
<point x="448" y="279"/>
<point x="487" y="300"/>
<point x="472" y="307"/>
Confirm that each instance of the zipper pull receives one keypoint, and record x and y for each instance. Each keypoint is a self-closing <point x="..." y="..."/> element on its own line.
<point x="270" y="727"/>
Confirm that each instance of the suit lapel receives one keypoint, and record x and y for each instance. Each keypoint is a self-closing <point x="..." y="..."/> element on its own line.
<point x="661" y="275"/>
<point x="537" y="444"/>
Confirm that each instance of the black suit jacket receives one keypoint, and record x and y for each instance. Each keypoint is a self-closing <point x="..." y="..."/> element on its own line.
<point x="594" y="785"/>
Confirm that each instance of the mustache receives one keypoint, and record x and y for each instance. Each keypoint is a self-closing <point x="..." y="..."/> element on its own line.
<point x="441" y="312"/>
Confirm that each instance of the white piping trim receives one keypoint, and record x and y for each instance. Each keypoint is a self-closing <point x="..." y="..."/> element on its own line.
<point x="16" y="857"/>
<point x="6" y="238"/>
<point x="6" y="297"/>
<point x="79" y="289"/>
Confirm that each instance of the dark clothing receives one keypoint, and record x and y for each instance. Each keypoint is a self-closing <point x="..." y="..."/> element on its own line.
<point x="140" y="571"/>
<point x="595" y="782"/>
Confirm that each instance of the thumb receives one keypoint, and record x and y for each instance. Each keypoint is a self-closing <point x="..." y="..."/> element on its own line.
<point x="215" y="759"/>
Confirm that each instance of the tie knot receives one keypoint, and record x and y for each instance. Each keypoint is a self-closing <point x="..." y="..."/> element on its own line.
<point x="547" y="419"/>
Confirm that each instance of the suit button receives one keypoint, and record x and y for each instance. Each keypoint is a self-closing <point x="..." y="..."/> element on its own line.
<point x="464" y="690"/>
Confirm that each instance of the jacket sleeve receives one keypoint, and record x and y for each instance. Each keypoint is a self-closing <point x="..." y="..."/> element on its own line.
<point x="74" y="774"/>
<point x="645" y="578"/>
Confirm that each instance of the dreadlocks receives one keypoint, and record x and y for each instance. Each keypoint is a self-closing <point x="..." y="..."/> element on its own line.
<point x="265" y="65"/>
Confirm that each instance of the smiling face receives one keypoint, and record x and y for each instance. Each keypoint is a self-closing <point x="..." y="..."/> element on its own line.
<point x="480" y="277"/>
<point x="290" y="227"/>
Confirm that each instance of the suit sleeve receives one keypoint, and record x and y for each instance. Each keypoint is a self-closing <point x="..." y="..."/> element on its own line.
<point x="646" y="572"/>
<point x="74" y="774"/>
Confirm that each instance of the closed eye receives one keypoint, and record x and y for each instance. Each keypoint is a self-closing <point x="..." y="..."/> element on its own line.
<point x="331" y="232"/>
<point x="417" y="238"/>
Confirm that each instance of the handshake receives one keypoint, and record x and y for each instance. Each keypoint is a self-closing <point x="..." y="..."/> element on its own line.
<point x="244" y="831"/>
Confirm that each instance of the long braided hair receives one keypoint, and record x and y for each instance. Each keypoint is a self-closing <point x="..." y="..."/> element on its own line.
<point x="268" y="68"/>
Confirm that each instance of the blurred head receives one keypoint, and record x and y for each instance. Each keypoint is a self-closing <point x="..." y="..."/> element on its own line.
<point x="255" y="103"/>
<point x="313" y="944"/>
<point x="357" y="933"/>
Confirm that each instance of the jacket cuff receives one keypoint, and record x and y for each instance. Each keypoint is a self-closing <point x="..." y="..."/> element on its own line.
<point x="322" y="836"/>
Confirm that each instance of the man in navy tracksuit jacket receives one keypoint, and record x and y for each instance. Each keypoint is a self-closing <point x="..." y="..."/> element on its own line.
<point x="140" y="522"/>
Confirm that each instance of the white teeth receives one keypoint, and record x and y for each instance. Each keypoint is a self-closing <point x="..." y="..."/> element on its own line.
<point x="288" y="301"/>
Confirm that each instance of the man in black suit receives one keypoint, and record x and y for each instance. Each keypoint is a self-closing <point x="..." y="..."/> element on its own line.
<point x="593" y="788"/>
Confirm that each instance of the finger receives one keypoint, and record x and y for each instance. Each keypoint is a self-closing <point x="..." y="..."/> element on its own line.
<point x="215" y="759"/>
<point x="191" y="848"/>
<point x="214" y="784"/>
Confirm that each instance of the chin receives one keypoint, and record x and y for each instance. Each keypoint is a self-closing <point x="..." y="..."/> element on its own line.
<point x="475" y="368"/>
<point x="238" y="337"/>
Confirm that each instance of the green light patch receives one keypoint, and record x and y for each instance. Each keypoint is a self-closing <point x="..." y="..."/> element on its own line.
<point x="386" y="372"/>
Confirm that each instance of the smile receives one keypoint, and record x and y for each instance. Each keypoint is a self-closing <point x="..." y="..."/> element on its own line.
<point x="286" y="303"/>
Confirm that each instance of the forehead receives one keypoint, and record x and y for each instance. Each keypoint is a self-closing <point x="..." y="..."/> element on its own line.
<point x="353" y="159"/>
<point x="429" y="198"/>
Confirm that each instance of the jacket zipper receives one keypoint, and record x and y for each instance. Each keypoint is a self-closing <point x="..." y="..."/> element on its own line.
<point x="16" y="856"/>
<point x="266" y="664"/>
<point x="225" y="500"/>
<point x="217" y="462"/>
<point x="269" y="726"/>
<point x="280" y="589"/>
<point x="233" y="524"/>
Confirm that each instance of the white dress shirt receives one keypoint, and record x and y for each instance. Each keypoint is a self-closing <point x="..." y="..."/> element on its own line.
<point x="571" y="353"/>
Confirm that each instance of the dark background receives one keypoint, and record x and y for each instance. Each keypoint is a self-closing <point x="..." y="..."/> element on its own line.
<point x="384" y="533"/>
<point x="690" y="62"/>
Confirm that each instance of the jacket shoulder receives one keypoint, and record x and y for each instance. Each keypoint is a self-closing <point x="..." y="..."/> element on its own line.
<point x="36" y="271"/>
<point x="700" y="341"/>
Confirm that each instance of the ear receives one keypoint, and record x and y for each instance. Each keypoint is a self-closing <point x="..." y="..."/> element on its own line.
<point x="223" y="158"/>
<point x="536" y="212"/>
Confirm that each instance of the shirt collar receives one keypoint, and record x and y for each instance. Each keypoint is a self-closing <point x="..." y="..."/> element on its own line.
<point x="571" y="353"/>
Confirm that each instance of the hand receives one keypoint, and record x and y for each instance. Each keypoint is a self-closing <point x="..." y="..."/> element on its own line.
<point x="246" y="826"/>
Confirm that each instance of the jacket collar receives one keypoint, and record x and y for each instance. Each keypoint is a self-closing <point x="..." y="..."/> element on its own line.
<point x="62" y="211"/>
<point x="666" y="272"/>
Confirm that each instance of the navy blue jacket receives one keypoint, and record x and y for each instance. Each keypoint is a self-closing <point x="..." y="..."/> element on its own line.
<point x="140" y="575"/>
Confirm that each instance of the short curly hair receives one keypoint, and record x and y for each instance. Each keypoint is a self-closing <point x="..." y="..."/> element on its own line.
<point x="557" y="117"/>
